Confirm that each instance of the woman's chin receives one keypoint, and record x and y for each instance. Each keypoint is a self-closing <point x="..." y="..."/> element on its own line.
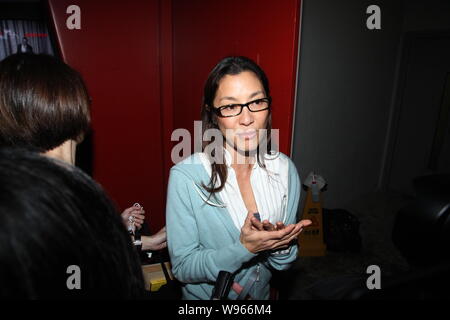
<point x="247" y="148"/>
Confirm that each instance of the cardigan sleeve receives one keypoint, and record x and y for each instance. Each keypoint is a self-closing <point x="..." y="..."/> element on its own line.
<point x="192" y="262"/>
<point x="283" y="259"/>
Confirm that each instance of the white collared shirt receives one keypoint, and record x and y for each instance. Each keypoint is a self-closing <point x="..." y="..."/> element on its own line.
<point x="270" y="188"/>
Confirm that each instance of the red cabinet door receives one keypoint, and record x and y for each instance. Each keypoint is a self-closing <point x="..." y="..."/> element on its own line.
<point x="116" y="51"/>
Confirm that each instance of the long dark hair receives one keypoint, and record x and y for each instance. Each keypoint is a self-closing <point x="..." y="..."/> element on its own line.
<point x="52" y="215"/>
<point x="228" y="66"/>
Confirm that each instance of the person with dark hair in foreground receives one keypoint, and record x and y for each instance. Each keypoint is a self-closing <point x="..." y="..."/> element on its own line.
<point x="45" y="106"/>
<point x="54" y="218"/>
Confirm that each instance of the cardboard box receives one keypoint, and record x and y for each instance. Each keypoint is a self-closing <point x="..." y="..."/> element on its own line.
<point x="154" y="275"/>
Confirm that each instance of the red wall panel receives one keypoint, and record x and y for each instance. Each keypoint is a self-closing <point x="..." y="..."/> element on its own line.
<point x="116" y="51"/>
<point x="206" y="31"/>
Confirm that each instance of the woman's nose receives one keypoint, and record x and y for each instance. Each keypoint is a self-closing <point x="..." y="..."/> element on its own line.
<point x="246" y="117"/>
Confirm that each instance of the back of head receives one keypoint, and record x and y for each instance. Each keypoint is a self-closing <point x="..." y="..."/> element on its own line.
<point x="43" y="102"/>
<point x="53" y="216"/>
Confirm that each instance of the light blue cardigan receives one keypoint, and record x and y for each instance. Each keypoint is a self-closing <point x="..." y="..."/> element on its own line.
<point x="203" y="240"/>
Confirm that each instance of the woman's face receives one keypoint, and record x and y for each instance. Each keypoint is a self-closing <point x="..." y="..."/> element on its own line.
<point x="241" y="131"/>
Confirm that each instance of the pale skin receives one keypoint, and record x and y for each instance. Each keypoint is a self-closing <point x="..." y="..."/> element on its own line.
<point x="66" y="152"/>
<point x="241" y="88"/>
<point x="155" y="242"/>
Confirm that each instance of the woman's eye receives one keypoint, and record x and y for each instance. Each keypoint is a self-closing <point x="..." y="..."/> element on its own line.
<point x="231" y="107"/>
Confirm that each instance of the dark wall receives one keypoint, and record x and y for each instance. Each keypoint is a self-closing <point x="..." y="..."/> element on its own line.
<point x="22" y="10"/>
<point x="423" y="71"/>
<point x="344" y="94"/>
<point x="347" y="111"/>
<point x="426" y="15"/>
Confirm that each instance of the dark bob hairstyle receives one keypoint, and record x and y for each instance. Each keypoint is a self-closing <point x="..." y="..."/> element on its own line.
<point x="53" y="216"/>
<point x="43" y="102"/>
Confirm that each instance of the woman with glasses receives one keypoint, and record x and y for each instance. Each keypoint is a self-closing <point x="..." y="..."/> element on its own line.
<point x="233" y="209"/>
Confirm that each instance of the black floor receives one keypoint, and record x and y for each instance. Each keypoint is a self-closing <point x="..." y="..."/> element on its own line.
<point x="376" y="213"/>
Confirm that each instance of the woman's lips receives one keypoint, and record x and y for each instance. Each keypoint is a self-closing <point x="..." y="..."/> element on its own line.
<point x="247" y="135"/>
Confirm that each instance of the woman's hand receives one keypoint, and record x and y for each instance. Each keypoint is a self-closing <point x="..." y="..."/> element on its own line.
<point x="155" y="242"/>
<point x="256" y="239"/>
<point x="133" y="214"/>
<point x="266" y="225"/>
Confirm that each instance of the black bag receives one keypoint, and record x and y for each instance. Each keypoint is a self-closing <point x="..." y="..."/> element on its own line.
<point x="341" y="231"/>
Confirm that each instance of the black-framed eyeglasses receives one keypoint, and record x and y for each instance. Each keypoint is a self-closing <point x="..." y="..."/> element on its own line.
<point x="235" y="109"/>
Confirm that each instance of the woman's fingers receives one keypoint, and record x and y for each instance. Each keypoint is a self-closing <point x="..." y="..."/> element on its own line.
<point x="248" y="222"/>
<point x="268" y="226"/>
<point x="138" y="211"/>
<point x="138" y="215"/>
<point x="138" y="221"/>
<point x="125" y="215"/>
<point x="281" y="234"/>
<point x="283" y="244"/>
<point x="134" y="215"/>
<point x="297" y="229"/>
<point x="257" y="224"/>
<point x="290" y="231"/>
<point x="127" y="212"/>
<point x="134" y="212"/>
<point x="259" y="236"/>
<point x="280" y="225"/>
<point x="305" y="223"/>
